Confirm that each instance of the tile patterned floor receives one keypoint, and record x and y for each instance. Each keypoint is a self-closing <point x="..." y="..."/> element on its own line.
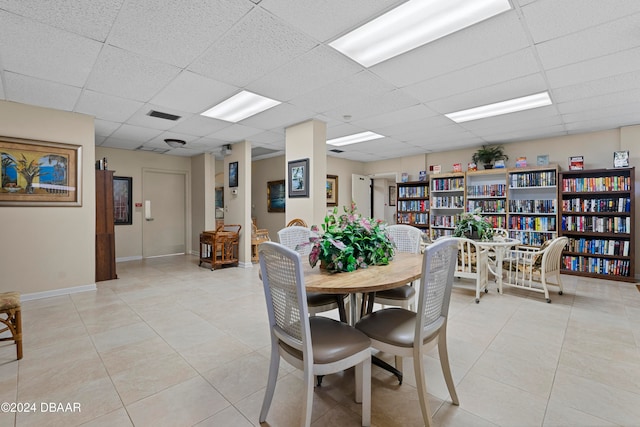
<point x="173" y="344"/>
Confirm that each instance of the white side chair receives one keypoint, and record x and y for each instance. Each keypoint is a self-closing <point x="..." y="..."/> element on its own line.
<point x="404" y="333"/>
<point x="407" y="239"/>
<point x="531" y="268"/>
<point x="296" y="238"/>
<point x="473" y="264"/>
<point x="315" y="345"/>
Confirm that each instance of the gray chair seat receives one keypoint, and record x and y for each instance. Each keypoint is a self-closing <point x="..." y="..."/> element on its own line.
<point x="402" y="293"/>
<point x="395" y="326"/>
<point x="315" y="299"/>
<point x="332" y="341"/>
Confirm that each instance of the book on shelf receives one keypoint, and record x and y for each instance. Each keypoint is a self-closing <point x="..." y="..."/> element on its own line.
<point x="422" y="176"/>
<point x="521" y="162"/>
<point x="457" y="167"/>
<point x="404" y="177"/>
<point x="472" y="167"/>
<point x="499" y="164"/>
<point x="576" y="163"/>
<point x="436" y="168"/>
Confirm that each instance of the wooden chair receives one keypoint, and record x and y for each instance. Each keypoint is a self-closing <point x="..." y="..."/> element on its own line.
<point x="404" y="333"/>
<point x="315" y="345"/>
<point x="297" y="221"/>
<point x="531" y="268"/>
<point x="11" y="319"/>
<point x="220" y="248"/>
<point x="406" y="239"/>
<point x="258" y="235"/>
<point x="473" y="263"/>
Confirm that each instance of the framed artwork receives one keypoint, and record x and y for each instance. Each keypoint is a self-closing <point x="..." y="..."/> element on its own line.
<point x="576" y="163"/>
<point x="392" y="195"/>
<point x="122" y="195"/>
<point x="40" y="173"/>
<point x="620" y="159"/>
<point x="219" y="202"/>
<point x="332" y="190"/>
<point x="543" y="160"/>
<point x="233" y="174"/>
<point x="298" y="178"/>
<point x="275" y="196"/>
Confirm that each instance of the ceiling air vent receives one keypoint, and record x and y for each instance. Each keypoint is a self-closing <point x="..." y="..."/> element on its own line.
<point x="335" y="150"/>
<point x="161" y="115"/>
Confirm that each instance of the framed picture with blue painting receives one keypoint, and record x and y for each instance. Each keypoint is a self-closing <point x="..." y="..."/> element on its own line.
<point x="298" y="178"/>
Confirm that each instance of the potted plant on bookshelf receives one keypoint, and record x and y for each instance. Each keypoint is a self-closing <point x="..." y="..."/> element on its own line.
<point x="488" y="154"/>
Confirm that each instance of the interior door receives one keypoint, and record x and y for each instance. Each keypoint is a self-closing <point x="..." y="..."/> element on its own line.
<point x="165" y="203"/>
<point x="361" y="193"/>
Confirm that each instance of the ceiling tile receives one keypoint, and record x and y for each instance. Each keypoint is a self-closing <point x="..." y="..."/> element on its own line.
<point x="597" y="68"/>
<point x="193" y="93"/>
<point x="90" y="19"/>
<point x="590" y="43"/>
<point x="470" y="46"/>
<point x="549" y="19"/>
<point x="282" y="115"/>
<point x="104" y="127"/>
<point x="235" y="133"/>
<point x="270" y="138"/>
<point x="611" y="84"/>
<point x="398" y="118"/>
<point x="199" y="125"/>
<point x="488" y="73"/>
<point x="106" y="107"/>
<point x="321" y="19"/>
<point x="258" y="44"/>
<point x="174" y="32"/>
<point x="385" y="103"/>
<point x="124" y="144"/>
<point x="629" y="97"/>
<point x="129" y="75"/>
<point x="37" y="50"/>
<point x="314" y="69"/>
<point x="30" y="90"/>
<point x="138" y="133"/>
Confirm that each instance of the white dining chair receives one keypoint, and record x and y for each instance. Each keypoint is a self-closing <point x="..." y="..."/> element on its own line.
<point x="316" y="345"/>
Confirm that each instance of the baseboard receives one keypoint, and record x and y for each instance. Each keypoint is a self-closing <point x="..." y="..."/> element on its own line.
<point x="58" y="292"/>
<point x="245" y="265"/>
<point x="129" y="258"/>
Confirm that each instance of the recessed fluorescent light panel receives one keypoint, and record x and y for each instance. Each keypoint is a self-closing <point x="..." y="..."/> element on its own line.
<point x="240" y="106"/>
<point x="511" y="106"/>
<point x="355" y="138"/>
<point x="413" y="24"/>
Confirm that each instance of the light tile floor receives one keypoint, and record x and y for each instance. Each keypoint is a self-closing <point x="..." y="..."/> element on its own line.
<point x="173" y="344"/>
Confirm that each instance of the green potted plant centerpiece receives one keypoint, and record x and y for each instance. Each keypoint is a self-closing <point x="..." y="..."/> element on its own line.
<point x="488" y="154"/>
<point x="350" y="241"/>
<point x="473" y="226"/>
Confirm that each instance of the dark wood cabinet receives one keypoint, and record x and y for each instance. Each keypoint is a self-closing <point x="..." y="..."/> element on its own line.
<point x="105" y="233"/>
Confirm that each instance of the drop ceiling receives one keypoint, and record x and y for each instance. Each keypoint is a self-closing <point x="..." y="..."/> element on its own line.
<point x="119" y="59"/>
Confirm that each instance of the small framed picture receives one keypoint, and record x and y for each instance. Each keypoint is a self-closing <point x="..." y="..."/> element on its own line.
<point x="392" y="195"/>
<point x="621" y="159"/>
<point x="122" y="195"/>
<point x="576" y="163"/>
<point x="332" y="190"/>
<point x="233" y="174"/>
<point x="543" y="160"/>
<point x="298" y="178"/>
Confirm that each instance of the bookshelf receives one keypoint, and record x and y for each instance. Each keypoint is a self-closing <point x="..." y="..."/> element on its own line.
<point x="532" y="207"/>
<point x="412" y="204"/>
<point x="487" y="191"/>
<point x="598" y="208"/>
<point x="447" y="202"/>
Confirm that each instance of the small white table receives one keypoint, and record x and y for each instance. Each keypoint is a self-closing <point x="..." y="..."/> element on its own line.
<point x="499" y="247"/>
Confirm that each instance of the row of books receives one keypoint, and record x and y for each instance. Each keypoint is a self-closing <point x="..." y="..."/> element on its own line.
<point x="532" y="206"/>
<point x="413" y="218"/>
<point x="599" y="246"/>
<point x="408" y="192"/>
<point x="618" y="204"/>
<point x="413" y="205"/>
<point x="447" y="202"/>
<point x="493" y="206"/>
<point x="496" y="221"/>
<point x="535" y="223"/>
<point x="489" y="190"/>
<point x="445" y="184"/>
<point x="601" y="183"/>
<point x="597" y="224"/>
<point x="444" y="220"/>
<point x="440" y="232"/>
<point x="531" y="238"/>
<point x="532" y="179"/>
<point x="596" y="265"/>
